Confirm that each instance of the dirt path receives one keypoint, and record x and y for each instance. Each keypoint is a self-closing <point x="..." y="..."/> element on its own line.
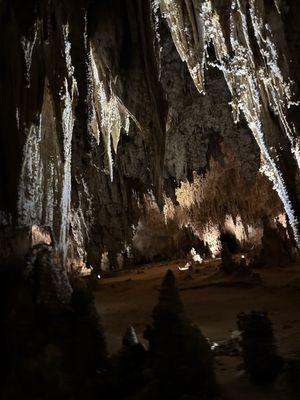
<point x="211" y="303"/>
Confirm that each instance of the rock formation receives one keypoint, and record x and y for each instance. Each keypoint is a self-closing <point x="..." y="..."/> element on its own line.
<point x="191" y="102"/>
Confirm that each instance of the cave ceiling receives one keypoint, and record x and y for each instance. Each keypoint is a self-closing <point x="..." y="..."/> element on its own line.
<point x="107" y="104"/>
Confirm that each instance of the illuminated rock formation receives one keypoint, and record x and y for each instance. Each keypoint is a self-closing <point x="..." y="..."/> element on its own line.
<point x="105" y="102"/>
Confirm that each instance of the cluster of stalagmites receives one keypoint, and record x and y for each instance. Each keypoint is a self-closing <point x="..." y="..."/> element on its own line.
<point x="100" y="110"/>
<point x="51" y="349"/>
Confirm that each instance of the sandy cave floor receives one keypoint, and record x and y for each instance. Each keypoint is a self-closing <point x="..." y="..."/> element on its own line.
<point x="212" y="303"/>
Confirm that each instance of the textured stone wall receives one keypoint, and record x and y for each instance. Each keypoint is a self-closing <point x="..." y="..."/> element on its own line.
<point x="105" y="102"/>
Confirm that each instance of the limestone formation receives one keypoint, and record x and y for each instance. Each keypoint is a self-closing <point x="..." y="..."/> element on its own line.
<point x="193" y="103"/>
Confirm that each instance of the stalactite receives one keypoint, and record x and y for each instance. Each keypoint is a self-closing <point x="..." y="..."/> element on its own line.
<point x="156" y="23"/>
<point x="81" y="221"/>
<point x="112" y="116"/>
<point x="246" y="82"/>
<point x="50" y="200"/>
<point x="103" y="110"/>
<point x="188" y="39"/>
<point x="31" y="178"/>
<point x="279" y="92"/>
<point x="67" y="50"/>
<point x="27" y="47"/>
<point x="67" y="99"/>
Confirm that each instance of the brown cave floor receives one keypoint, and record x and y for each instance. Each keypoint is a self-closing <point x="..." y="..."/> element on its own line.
<point x="212" y="303"/>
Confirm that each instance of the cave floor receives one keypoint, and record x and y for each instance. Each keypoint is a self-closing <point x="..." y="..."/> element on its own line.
<point x="212" y="302"/>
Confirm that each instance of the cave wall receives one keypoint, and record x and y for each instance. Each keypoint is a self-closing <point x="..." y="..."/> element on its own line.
<point x="249" y="46"/>
<point x="106" y="102"/>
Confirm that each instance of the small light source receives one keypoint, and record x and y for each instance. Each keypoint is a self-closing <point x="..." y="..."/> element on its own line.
<point x="214" y="345"/>
<point x="242" y="256"/>
<point x="185" y="268"/>
<point x="98" y="276"/>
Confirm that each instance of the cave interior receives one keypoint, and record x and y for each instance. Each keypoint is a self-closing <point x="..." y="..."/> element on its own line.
<point x="150" y="199"/>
